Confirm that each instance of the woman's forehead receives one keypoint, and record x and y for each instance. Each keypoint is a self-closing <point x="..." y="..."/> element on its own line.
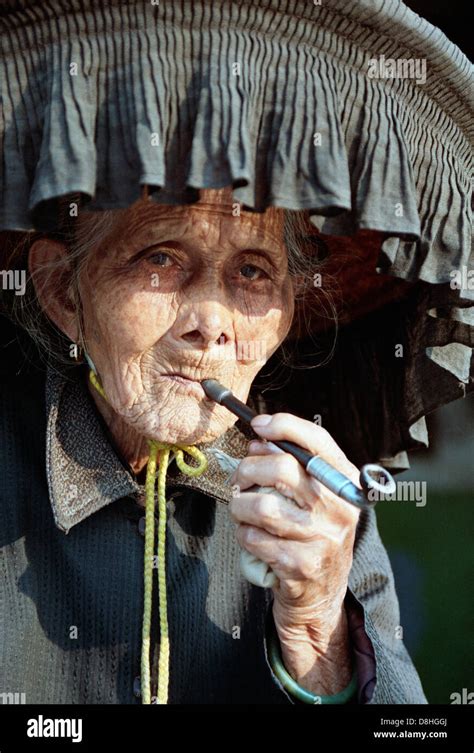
<point x="213" y="206"/>
<point x="216" y="203"/>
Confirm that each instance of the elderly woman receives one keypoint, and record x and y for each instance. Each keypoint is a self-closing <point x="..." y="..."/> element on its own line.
<point x="173" y="167"/>
<point x="160" y="298"/>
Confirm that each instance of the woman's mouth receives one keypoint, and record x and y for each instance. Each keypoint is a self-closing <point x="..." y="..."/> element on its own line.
<point x="186" y="385"/>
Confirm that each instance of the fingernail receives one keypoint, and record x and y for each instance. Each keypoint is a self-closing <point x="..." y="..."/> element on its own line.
<point x="254" y="444"/>
<point x="261" y="420"/>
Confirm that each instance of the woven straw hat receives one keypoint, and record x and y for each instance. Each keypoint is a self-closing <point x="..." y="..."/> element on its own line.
<point x="359" y="113"/>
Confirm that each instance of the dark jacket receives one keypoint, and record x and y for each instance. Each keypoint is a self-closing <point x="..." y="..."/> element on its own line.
<point x="71" y="585"/>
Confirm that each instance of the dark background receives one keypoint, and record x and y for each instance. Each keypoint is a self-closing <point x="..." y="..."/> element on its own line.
<point x="453" y="17"/>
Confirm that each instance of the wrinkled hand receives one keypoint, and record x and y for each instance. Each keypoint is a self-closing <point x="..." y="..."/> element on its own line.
<point x="308" y="545"/>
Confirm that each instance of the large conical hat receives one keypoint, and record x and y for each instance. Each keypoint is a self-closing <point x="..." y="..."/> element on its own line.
<point x="359" y="113"/>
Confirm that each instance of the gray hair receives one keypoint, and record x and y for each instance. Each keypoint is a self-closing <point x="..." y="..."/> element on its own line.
<point x="306" y="256"/>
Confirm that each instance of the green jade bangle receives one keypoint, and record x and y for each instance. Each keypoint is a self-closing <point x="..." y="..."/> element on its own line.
<point x="296" y="690"/>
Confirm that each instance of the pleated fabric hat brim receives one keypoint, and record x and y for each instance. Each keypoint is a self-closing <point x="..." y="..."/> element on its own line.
<point x="360" y="113"/>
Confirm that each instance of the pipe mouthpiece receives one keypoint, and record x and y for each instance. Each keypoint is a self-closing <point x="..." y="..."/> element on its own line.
<point x="214" y="390"/>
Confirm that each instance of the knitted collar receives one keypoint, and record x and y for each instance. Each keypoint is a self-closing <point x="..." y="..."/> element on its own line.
<point x="85" y="473"/>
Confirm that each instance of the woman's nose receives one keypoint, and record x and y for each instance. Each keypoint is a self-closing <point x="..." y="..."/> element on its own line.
<point x="206" y="324"/>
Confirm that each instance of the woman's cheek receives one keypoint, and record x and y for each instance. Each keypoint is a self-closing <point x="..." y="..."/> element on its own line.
<point x="135" y="324"/>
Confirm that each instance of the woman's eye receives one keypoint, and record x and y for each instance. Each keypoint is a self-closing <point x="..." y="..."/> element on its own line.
<point x="160" y="259"/>
<point x="251" y="272"/>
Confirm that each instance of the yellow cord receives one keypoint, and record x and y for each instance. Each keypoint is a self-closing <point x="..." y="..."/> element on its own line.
<point x="158" y="451"/>
<point x="95" y="381"/>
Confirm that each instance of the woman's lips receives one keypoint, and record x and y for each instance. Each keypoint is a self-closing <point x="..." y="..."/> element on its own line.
<point x="189" y="386"/>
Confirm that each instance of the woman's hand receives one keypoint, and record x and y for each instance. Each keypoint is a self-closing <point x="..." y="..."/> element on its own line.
<point x="308" y="545"/>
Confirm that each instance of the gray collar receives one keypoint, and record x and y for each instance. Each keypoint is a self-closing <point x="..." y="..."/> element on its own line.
<point x="83" y="469"/>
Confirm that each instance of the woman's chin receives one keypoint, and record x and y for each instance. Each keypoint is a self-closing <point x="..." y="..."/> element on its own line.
<point x="187" y="437"/>
<point x="187" y="420"/>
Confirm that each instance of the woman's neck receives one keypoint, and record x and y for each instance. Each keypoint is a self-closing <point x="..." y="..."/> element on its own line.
<point x="131" y="446"/>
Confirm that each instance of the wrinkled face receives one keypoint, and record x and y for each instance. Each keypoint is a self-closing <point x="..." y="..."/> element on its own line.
<point x="178" y="294"/>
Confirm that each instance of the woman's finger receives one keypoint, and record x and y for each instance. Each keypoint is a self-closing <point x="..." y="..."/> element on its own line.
<point x="308" y="435"/>
<point x="275" y="515"/>
<point x="286" y="475"/>
<point x="280" y="471"/>
<point x="287" y="559"/>
<point x="261" y="447"/>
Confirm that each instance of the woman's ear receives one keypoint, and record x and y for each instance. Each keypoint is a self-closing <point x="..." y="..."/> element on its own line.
<point x="51" y="275"/>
